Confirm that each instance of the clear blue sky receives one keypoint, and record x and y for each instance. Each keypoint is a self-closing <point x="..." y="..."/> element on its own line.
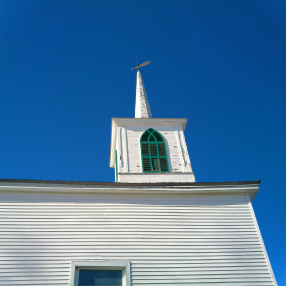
<point x="65" y="71"/>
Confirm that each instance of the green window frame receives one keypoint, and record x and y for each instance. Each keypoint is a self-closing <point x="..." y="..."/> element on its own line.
<point x="153" y="152"/>
<point x="116" y="167"/>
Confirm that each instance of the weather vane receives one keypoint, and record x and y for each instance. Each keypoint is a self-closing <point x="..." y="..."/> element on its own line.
<point x="142" y="65"/>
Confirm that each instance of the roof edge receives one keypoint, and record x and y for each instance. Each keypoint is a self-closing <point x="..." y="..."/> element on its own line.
<point x="43" y="186"/>
<point x="36" y="181"/>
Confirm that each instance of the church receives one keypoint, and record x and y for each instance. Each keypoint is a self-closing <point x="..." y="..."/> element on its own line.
<point x="155" y="225"/>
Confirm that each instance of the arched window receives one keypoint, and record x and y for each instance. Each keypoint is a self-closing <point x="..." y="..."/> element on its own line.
<point x="153" y="151"/>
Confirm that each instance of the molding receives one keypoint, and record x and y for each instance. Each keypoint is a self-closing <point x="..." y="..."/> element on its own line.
<point x="101" y="265"/>
<point x="250" y="188"/>
<point x="179" y="142"/>
<point x="156" y="177"/>
<point x="120" y="149"/>
<point x="119" y="121"/>
<point x="124" y="149"/>
<point x="188" y="165"/>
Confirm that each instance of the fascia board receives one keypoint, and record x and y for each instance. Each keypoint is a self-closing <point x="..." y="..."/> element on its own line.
<point x="117" y="121"/>
<point x="250" y="189"/>
<point x="153" y="121"/>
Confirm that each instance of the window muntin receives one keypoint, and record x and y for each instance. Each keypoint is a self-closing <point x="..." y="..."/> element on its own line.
<point x="153" y="152"/>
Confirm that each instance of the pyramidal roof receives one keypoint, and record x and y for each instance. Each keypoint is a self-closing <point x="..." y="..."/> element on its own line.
<point x="142" y="107"/>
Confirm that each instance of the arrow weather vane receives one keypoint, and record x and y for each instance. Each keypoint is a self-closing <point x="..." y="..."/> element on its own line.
<point x="142" y="65"/>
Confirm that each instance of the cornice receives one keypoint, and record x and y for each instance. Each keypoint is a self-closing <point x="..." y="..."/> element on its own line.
<point x="249" y="187"/>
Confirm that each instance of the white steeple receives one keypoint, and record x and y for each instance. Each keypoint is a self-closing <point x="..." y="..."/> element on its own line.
<point x="149" y="150"/>
<point x="142" y="107"/>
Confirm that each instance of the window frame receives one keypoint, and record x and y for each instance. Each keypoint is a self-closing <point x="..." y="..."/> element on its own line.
<point x="116" y="167"/>
<point x="76" y="266"/>
<point x="150" y="156"/>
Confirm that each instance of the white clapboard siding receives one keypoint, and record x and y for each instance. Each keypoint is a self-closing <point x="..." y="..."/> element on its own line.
<point x="169" y="240"/>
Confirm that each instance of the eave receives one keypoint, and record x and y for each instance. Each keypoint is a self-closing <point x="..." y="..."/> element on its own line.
<point x="39" y="186"/>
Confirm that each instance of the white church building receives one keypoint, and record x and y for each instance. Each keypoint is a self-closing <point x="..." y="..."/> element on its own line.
<point x="155" y="225"/>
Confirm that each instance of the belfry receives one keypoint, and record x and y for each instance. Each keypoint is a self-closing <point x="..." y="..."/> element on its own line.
<point x="146" y="149"/>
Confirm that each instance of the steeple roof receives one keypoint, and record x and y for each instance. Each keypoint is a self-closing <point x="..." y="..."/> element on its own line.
<point x="142" y="107"/>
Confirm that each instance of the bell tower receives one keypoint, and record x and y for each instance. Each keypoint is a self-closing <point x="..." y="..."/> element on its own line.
<point x="149" y="150"/>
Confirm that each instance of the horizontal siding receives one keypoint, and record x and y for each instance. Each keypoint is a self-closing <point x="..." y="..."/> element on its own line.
<point x="170" y="240"/>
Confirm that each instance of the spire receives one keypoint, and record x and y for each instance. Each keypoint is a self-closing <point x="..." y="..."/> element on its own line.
<point x="142" y="108"/>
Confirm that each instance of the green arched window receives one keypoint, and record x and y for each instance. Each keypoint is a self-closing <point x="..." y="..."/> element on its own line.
<point x="153" y="151"/>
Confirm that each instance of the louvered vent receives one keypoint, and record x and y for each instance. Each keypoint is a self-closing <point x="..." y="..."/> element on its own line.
<point x="161" y="148"/>
<point x="153" y="149"/>
<point x="145" y="149"/>
<point x="147" y="165"/>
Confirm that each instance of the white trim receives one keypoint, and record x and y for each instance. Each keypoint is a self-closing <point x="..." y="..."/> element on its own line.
<point x="102" y="265"/>
<point x="125" y="150"/>
<point x="251" y="189"/>
<point x="188" y="166"/>
<point x="179" y="143"/>
<point x="260" y="238"/>
<point x="120" y="149"/>
<point x="147" y="121"/>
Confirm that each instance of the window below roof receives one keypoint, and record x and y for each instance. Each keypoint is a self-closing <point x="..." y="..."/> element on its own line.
<point x="100" y="273"/>
<point x="96" y="277"/>
<point x="153" y="152"/>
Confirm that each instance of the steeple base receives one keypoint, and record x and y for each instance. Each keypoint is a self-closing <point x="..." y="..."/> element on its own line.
<point x="156" y="178"/>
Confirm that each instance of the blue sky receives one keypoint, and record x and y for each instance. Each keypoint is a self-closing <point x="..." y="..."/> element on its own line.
<point x="65" y="71"/>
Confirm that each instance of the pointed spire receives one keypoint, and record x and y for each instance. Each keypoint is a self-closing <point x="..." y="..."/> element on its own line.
<point x="142" y="108"/>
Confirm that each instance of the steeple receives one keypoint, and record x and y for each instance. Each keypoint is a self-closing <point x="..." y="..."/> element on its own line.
<point x="149" y="150"/>
<point x="142" y="107"/>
